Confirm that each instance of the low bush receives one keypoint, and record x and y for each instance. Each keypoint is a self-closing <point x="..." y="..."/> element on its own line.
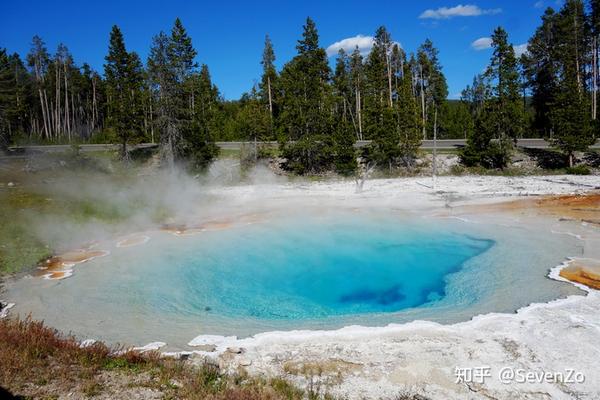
<point x="578" y="170"/>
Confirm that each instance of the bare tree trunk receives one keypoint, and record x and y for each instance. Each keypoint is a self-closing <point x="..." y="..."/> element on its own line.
<point x="48" y="114"/>
<point x="571" y="160"/>
<point x="40" y="81"/>
<point x="351" y="117"/>
<point x="434" y="164"/>
<point x="151" y="122"/>
<point x="579" y="85"/>
<point x="46" y="131"/>
<point x="93" y="103"/>
<point x="73" y="114"/>
<point x="270" y="98"/>
<point x="67" y="116"/>
<point x="57" y="105"/>
<point x="389" y="75"/>
<point x="424" y="128"/>
<point x="359" y="113"/>
<point x="594" y="77"/>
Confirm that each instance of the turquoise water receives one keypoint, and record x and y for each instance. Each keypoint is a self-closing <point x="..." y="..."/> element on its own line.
<point x="306" y="270"/>
<point x="313" y="270"/>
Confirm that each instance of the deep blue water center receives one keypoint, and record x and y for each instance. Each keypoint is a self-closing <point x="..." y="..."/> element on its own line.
<point x="299" y="268"/>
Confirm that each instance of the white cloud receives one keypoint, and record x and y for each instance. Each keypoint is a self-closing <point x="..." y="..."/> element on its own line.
<point x="467" y="10"/>
<point x="539" y="4"/>
<point x="482" y="43"/>
<point x="520" y="49"/>
<point x="364" y="43"/>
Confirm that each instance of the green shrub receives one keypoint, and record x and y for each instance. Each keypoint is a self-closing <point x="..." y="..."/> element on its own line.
<point x="578" y="170"/>
<point x="308" y="155"/>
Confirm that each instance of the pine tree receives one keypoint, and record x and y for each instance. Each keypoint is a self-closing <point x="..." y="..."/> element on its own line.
<point x="344" y="138"/>
<point x="185" y="99"/>
<point x="400" y="134"/>
<point x="540" y="66"/>
<point x="432" y="87"/>
<point x="377" y="106"/>
<point x="408" y="124"/>
<point x="503" y="72"/>
<point x="15" y="98"/>
<point x="305" y="108"/>
<point x="341" y="86"/>
<point x="268" y="84"/>
<point x="7" y="100"/>
<point x="499" y="110"/>
<point x="124" y="79"/>
<point x="164" y="85"/>
<point x="357" y="78"/>
<point x="569" y="111"/>
<point x="199" y="143"/>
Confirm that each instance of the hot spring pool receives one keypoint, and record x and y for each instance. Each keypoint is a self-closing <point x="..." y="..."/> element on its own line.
<point x="313" y="270"/>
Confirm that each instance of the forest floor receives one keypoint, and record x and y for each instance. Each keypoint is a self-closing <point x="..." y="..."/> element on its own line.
<point x="45" y="364"/>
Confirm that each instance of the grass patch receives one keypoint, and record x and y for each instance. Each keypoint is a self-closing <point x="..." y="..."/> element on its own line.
<point x="38" y="361"/>
<point x="19" y="248"/>
<point x="229" y="153"/>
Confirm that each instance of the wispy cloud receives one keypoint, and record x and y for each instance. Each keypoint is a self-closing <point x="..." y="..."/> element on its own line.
<point x="538" y="4"/>
<point x="364" y="44"/>
<point x="520" y="49"/>
<point x="482" y="43"/>
<point x="467" y="10"/>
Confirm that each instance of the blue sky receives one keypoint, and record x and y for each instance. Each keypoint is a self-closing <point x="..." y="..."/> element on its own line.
<point x="229" y="35"/>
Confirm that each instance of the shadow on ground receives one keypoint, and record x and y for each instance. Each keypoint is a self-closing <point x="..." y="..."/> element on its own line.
<point x="5" y="394"/>
<point x="547" y="159"/>
<point x="592" y="159"/>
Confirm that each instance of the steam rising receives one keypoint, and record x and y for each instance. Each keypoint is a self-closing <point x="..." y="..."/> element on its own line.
<point x="120" y="202"/>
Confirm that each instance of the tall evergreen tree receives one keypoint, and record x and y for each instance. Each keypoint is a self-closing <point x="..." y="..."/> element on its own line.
<point x="408" y="124"/>
<point x="377" y="106"/>
<point x="15" y="98"/>
<point x="400" y="136"/>
<point x="124" y="80"/>
<point x="268" y="84"/>
<point x="183" y="105"/>
<point x="305" y="108"/>
<point x="341" y="86"/>
<point x="499" y="118"/>
<point x="357" y="78"/>
<point x="7" y="99"/>
<point x="540" y="67"/>
<point x="504" y="75"/>
<point x="569" y="111"/>
<point x="304" y="80"/>
<point x="432" y="87"/>
<point x="164" y="85"/>
<point x="199" y="143"/>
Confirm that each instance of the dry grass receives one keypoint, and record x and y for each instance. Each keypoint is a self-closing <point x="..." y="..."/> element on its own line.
<point x="39" y="362"/>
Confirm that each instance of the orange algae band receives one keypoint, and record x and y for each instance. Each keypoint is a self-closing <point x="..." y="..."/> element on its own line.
<point x="588" y="276"/>
<point x="59" y="267"/>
